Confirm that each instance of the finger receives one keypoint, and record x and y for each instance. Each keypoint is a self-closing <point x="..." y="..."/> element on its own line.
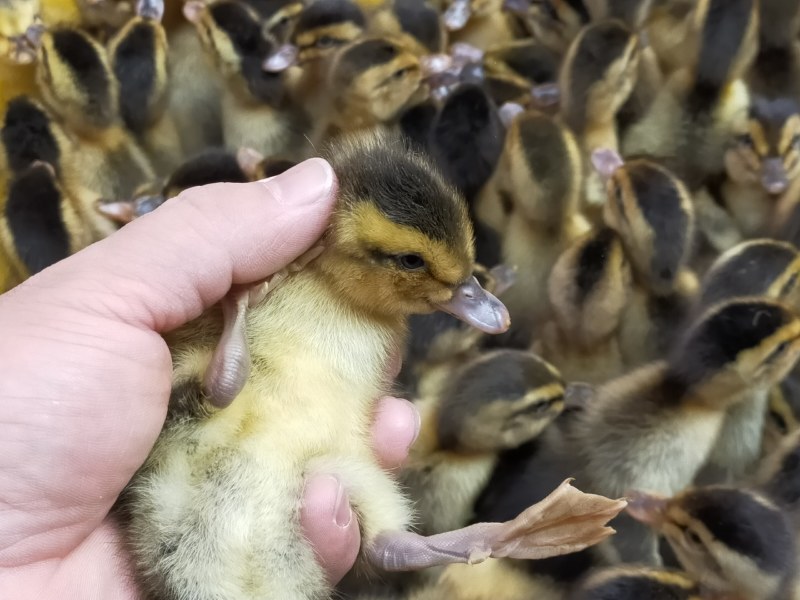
<point x="165" y="268"/>
<point x="330" y="526"/>
<point x="396" y="427"/>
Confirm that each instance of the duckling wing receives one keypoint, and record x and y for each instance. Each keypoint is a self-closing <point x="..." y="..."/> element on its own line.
<point x="566" y="521"/>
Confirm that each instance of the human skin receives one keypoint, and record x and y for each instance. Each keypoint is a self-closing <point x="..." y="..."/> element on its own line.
<point x="85" y="378"/>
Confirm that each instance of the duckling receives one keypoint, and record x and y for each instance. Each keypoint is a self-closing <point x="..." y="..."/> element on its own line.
<point x="106" y="15"/>
<point x="656" y="427"/>
<point x="481" y="23"/>
<point x="589" y="288"/>
<point x="652" y="212"/>
<point x="415" y="22"/>
<point x="541" y="173"/>
<point x="491" y="579"/>
<point x="732" y="541"/>
<point x="195" y="92"/>
<point x="762" y="267"/>
<point x="44" y="218"/>
<point x="138" y="55"/>
<point x="39" y="225"/>
<point x="555" y="23"/>
<point x="776" y="69"/>
<point x="387" y="253"/>
<point x="779" y="479"/>
<point x="323" y="27"/>
<point x="762" y="164"/>
<point x="637" y="583"/>
<point x="597" y="77"/>
<point x="372" y="81"/>
<point x="79" y="87"/>
<point x="256" y="109"/>
<point x="522" y="69"/>
<point x="497" y="401"/>
<point x="673" y="31"/>
<point x="466" y="139"/>
<point x="693" y="115"/>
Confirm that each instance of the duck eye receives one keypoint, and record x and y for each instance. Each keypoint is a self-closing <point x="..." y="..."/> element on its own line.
<point x="400" y="73"/>
<point x="325" y="41"/>
<point x="411" y="262"/>
<point x="746" y="141"/>
<point x="693" y="538"/>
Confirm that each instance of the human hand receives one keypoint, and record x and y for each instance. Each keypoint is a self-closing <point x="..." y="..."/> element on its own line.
<point x="86" y="375"/>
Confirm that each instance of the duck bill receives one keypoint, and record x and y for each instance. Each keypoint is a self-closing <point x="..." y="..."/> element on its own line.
<point x="773" y="176"/>
<point x="150" y="9"/>
<point x="649" y="509"/>
<point x="477" y="307"/>
<point x="281" y="59"/>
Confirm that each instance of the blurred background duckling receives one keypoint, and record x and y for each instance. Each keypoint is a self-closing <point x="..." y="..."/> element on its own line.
<point x="515" y="69"/>
<point x="655" y="427"/>
<point x="257" y="111"/>
<point x="649" y="79"/>
<point x="481" y="23"/>
<point x="416" y="22"/>
<point x="762" y="165"/>
<point x="465" y="138"/>
<point x="104" y="16"/>
<point x="139" y="54"/>
<point x="652" y="212"/>
<point x="79" y="88"/>
<point x="693" y="115"/>
<point x="372" y="81"/>
<point x="498" y="401"/>
<point x="322" y="28"/>
<point x="41" y="222"/>
<point x="776" y="70"/>
<point x="734" y="542"/>
<point x="638" y="583"/>
<point x="597" y="77"/>
<point x="758" y="268"/>
<point x="589" y="288"/>
<point x="541" y="170"/>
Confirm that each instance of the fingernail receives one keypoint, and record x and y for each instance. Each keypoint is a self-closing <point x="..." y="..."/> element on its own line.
<point x="342" y="512"/>
<point x="302" y="185"/>
<point x="416" y="419"/>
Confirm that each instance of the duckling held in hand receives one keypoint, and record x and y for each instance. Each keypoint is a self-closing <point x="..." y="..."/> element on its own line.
<point x="399" y="243"/>
<point x="732" y="541"/>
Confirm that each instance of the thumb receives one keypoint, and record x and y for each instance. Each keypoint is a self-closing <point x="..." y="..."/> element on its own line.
<point x="165" y="268"/>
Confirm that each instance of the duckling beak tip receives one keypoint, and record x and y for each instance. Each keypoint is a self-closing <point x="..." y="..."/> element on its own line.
<point x="646" y="508"/>
<point x="477" y="307"/>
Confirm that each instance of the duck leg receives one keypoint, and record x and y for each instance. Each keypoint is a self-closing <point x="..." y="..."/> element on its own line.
<point x="566" y="521"/>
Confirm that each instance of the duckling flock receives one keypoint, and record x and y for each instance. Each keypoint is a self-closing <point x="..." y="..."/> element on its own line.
<point x="624" y="175"/>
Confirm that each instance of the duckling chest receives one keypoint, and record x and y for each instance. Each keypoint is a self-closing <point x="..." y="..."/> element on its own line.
<point x="317" y="371"/>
